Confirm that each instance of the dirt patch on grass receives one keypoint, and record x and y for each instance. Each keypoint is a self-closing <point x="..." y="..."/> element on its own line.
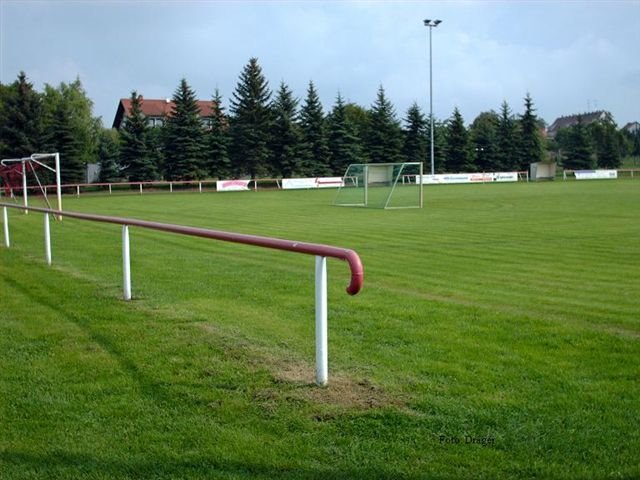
<point x="621" y="332"/>
<point x="293" y="379"/>
<point x="342" y="391"/>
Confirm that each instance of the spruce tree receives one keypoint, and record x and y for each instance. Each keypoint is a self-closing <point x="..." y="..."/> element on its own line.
<point x="506" y="140"/>
<point x="315" y="150"/>
<point x="135" y="155"/>
<point x="384" y="139"/>
<point x="219" y="164"/>
<point x="530" y="142"/>
<point x="458" y="158"/>
<point x="20" y="127"/>
<point x="109" y="155"/>
<point x="578" y="150"/>
<point x="184" y="137"/>
<point x="416" y="141"/>
<point x="286" y="135"/>
<point x="251" y="122"/>
<point x="60" y="137"/>
<point x="344" y="144"/>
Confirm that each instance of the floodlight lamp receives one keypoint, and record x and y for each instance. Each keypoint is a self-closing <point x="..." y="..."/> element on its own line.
<point x="426" y="22"/>
<point x="437" y="22"/>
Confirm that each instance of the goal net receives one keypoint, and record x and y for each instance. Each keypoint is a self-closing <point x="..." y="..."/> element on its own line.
<point x="22" y="176"/>
<point x="381" y="185"/>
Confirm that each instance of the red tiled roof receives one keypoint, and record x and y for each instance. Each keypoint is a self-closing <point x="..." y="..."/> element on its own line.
<point x="155" y="108"/>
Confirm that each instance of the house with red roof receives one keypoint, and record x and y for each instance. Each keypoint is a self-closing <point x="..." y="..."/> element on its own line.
<point x="156" y="111"/>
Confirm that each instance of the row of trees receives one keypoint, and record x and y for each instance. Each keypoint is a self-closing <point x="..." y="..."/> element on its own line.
<point x="272" y="134"/>
<point x="598" y="144"/>
<point x="60" y="119"/>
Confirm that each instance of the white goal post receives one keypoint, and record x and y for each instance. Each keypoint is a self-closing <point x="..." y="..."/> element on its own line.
<point x="381" y="185"/>
<point x="26" y="164"/>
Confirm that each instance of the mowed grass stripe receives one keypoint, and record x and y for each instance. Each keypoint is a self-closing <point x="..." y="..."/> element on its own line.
<point x="498" y="311"/>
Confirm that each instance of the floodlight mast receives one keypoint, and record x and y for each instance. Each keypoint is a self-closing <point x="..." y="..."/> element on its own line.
<point x="431" y="23"/>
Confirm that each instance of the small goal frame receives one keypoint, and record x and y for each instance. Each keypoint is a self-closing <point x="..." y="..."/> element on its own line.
<point x="28" y="162"/>
<point x="349" y="180"/>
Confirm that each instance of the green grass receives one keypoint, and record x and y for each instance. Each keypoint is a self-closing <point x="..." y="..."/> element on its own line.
<point x="507" y="312"/>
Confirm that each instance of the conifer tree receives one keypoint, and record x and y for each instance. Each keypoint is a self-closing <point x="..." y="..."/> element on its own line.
<point x="218" y="162"/>
<point x="250" y="124"/>
<point x="578" y="151"/>
<point x="286" y="137"/>
<point x="384" y="138"/>
<point x="530" y="142"/>
<point x="344" y="144"/>
<point x="416" y="141"/>
<point x="506" y="140"/>
<point x="315" y="150"/>
<point x="61" y="138"/>
<point x="109" y="155"/>
<point x="184" y="137"/>
<point x="135" y="155"/>
<point x="20" y="126"/>
<point x="458" y="158"/>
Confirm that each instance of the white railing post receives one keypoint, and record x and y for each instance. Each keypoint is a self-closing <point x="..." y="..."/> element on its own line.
<point x="47" y="239"/>
<point x="200" y="187"/>
<point x="5" y="222"/>
<point x="171" y="187"/>
<point x="109" y="189"/>
<point x="77" y="190"/>
<point x="322" y="354"/>
<point x="126" y="264"/>
<point x="141" y="189"/>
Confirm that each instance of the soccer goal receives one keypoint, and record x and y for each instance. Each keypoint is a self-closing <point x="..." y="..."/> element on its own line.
<point x="381" y="185"/>
<point x="15" y="174"/>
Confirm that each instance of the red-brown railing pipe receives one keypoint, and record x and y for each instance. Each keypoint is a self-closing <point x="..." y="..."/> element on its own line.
<point x="349" y="256"/>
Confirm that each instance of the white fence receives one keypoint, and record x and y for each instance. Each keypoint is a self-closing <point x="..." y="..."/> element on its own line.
<point x="321" y="252"/>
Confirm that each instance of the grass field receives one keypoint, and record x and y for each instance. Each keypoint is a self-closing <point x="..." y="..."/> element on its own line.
<point x="497" y="336"/>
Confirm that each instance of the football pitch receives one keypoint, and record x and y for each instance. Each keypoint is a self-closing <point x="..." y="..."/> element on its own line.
<point x="497" y="336"/>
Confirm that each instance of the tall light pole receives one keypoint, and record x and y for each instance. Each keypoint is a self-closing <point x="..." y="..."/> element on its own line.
<point x="431" y="23"/>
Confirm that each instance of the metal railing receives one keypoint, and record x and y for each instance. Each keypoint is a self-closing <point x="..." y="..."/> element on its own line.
<point x="321" y="252"/>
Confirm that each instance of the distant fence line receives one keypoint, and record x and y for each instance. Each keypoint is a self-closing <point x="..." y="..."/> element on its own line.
<point x="212" y="185"/>
<point x="601" y="174"/>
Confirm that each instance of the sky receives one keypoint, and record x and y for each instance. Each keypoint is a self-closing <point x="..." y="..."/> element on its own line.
<point x="571" y="56"/>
